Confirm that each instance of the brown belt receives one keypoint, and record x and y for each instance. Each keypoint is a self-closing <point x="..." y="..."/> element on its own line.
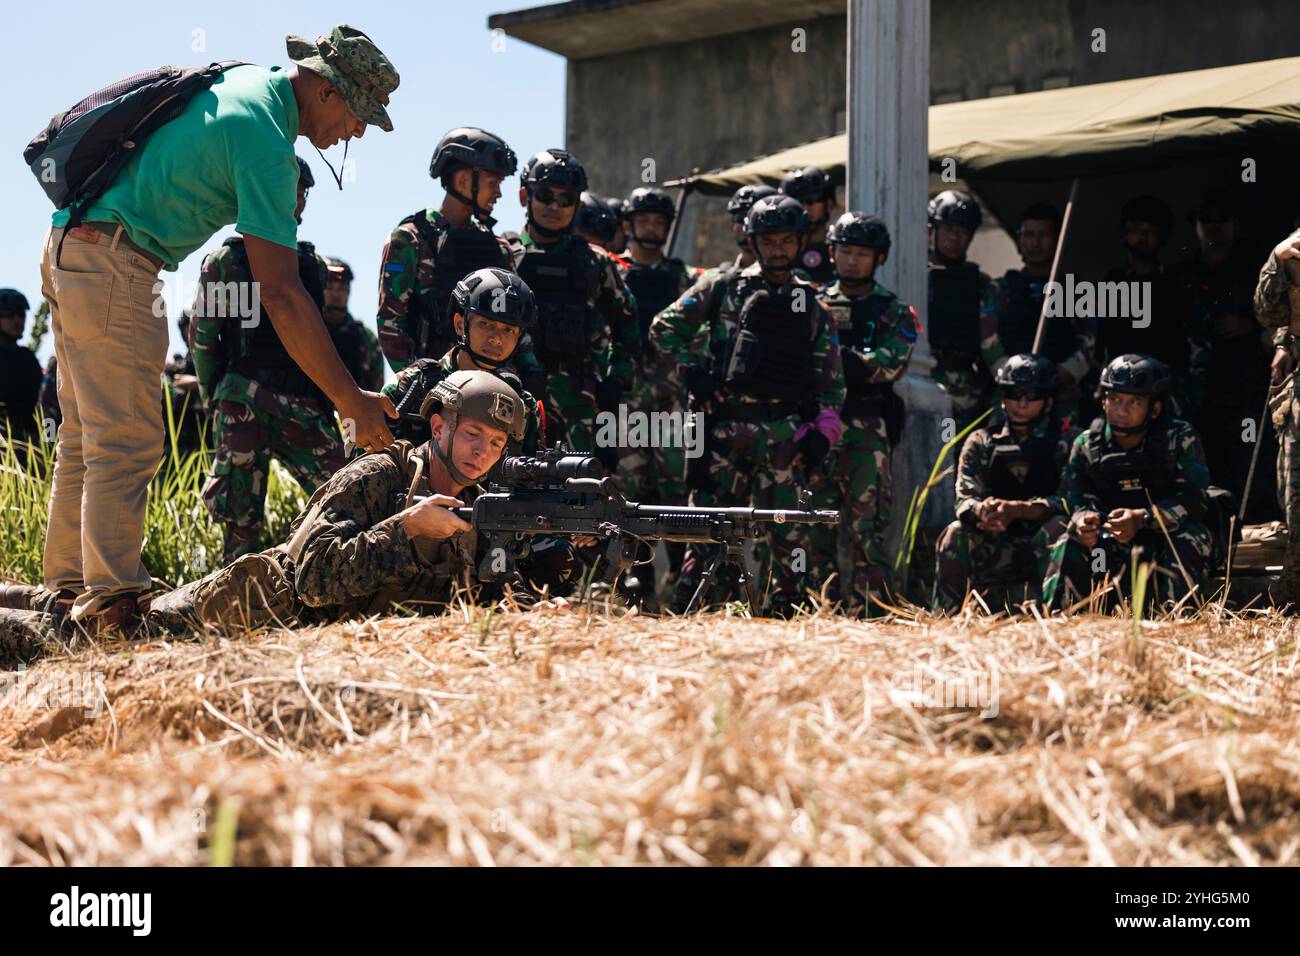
<point x="116" y="234"/>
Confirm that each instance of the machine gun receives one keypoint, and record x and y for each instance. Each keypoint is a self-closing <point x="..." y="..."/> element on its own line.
<point x="562" y="493"/>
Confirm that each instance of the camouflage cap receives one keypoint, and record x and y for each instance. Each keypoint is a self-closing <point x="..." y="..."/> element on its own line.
<point x="350" y="60"/>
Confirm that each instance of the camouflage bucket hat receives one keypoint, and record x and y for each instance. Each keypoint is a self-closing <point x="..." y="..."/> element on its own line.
<point x="350" y="60"/>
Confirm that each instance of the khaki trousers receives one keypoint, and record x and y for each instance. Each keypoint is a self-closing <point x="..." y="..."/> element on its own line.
<point x="111" y="348"/>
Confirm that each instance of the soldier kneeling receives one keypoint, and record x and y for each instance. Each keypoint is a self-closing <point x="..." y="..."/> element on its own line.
<point x="1136" y="484"/>
<point x="1009" y="504"/>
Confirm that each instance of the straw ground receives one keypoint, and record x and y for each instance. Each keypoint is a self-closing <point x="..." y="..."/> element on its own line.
<point x="570" y="737"/>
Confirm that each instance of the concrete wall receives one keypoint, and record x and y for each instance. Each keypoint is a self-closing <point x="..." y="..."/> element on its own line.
<point x="721" y="100"/>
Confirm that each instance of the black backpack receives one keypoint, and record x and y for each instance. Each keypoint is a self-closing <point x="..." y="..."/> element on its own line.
<point x="83" y="149"/>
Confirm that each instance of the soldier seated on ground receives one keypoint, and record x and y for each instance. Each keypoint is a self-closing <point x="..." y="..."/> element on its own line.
<point x="1136" y="486"/>
<point x="380" y="535"/>
<point x="491" y="310"/>
<point x="1009" y="502"/>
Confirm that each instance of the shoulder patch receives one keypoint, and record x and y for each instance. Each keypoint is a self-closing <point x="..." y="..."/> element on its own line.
<point x="394" y="267"/>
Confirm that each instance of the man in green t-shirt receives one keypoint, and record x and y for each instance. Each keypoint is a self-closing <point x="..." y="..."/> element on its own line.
<point x="227" y="158"/>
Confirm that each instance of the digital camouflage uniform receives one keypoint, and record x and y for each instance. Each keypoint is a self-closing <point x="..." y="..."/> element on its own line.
<point x="1169" y="467"/>
<point x="1014" y="560"/>
<point x="1277" y="306"/>
<point x="359" y="349"/>
<point x="859" y="482"/>
<point x="254" y="422"/>
<point x="1009" y="320"/>
<point x="960" y="369"/>
<point x="751" y="462"/>
<point x="654" y="475"/>
<point x="409" y="286"/>
<point x="568" y="386"/>
<point x="433" y="372"/>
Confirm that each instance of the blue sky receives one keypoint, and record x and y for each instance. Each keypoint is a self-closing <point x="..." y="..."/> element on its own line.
<point x="451" y="75"/>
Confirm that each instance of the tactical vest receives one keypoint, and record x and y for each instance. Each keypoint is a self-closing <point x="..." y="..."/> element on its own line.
<point x="563" y="283"/>
<point x="771" y="352"/>
<point x="456" y="253"/>
<point x="1019" y="323"/>
<point x="654" y="290"/>
<point x="256" y="352"/>
<point x="349" y="340"/>
<point x="1123" y="479"/>
<point x="955" y="308"/>
<point x="1023" y="470"/>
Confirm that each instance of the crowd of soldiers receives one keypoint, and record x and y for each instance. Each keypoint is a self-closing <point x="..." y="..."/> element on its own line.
<point x="1104" y="436"/>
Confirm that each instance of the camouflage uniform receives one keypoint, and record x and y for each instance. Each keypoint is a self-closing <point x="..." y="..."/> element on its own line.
<point x="750" y="444"/>
<point x="411" y="293"/>
<point x="1008" y="321"/>
<point x="434" y="371"/>
<point x="1015" y="560"/>
<point x="859" y="482"/>
<point x="567" y="383"/>
<point x="1273" y="309"/>
<point x="955" y="332"/>
<point x="655" y="475"/>
<point x="257" y="413"/>
<point x="359" y="349"/>
<point x="1169" y="467"/>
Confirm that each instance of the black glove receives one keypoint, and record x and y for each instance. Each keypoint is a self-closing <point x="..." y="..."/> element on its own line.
<point x="701" y="385"/>
<point x="608" y="394"/>
<point x="814" y="447"/>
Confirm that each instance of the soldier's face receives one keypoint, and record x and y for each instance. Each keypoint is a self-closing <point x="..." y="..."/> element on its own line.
<point x="1021" y="410"/>
<point x="854" y="263"/>
<point x="777" y="250"/>
<point x="952" y="240"/>
<point x="489" y="186"/>
<point x="650" y="227"/>
<point x="333" y="120"/>
<point x="738" y="231"/>
<point x="1037" y="242"/>
<point x="550" y="213"/>
<point x="336" y="294"/>
<point x="1128" y="411"/>
<point x="475" y="447"/>
<point x="818" y="212"/>
<point x="1142" y="238"/>
<point x="488" y="337"/>
<point x="11" y="326"/>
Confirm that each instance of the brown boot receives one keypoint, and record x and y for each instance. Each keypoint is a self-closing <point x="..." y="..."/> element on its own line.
<point x="21" y="597"/>
<point x="122" y="618"/>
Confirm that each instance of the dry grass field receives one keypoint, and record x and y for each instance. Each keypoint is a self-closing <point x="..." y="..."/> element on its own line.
<point x="569" y="737"/>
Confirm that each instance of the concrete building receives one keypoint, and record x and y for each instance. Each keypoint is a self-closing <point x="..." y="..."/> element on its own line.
<point x="659" y="88"/>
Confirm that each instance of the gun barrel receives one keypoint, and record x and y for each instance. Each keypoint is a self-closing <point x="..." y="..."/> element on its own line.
<point x="686" y="516"/>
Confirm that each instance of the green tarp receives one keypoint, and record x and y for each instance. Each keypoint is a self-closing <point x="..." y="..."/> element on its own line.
<point x="1082" y="131"/>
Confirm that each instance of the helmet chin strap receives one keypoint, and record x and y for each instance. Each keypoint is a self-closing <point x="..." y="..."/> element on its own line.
<point x="337" y="178"/>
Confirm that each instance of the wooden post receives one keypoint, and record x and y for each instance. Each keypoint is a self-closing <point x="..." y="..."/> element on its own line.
<point x="1056" y="264"/>
<point x="888" y="175"/>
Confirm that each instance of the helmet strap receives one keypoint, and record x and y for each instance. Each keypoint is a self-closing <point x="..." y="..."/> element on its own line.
<point x="481" y="214"/>
<point x="337" y="178"/>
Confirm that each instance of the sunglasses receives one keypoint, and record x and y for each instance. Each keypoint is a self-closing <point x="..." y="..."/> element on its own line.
<point x="549" y="197"/>
<point x="1023" y="394"/>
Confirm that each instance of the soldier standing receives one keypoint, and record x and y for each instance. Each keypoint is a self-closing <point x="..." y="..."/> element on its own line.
<point x="1135" y="478"/>
<point x="357" y="345"/>
<point x="1010" y="507"/>
<point x="653" y="475"/>
<point x="1010" y="320"/>
<point x="1277" y="306"/>
<point x="20" y="371"/>
<point x="958" y="292"/>
<point x="876" y="332"/>
<point x="596" y="220"/>
<point x="580" y="360"/>
<point x="812" y="187"/>
<point x="263" y="405"/>
<point x="433" y="249"/>
<point x="760" y="357"/>
<point x="738" y="207"/>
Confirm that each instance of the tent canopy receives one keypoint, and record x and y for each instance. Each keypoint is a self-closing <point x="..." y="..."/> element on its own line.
<point x="1083" y="131"/>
